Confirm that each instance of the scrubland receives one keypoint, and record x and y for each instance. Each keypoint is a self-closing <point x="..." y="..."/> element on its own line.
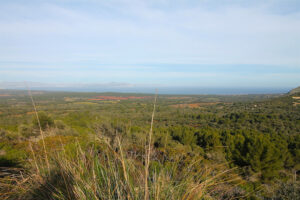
<point x="61" y="145"/>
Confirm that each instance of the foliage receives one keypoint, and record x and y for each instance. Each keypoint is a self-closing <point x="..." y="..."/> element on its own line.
<point x="45" y="121"/>
<point x="195" y="138"/>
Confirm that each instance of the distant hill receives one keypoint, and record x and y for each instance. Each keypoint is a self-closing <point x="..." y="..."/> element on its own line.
<point x="294" y="91"/>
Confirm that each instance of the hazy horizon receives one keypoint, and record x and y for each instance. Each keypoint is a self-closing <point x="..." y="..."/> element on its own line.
<point x="133" y="88"/>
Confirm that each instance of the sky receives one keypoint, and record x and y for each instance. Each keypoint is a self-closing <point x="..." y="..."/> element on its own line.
<point x="163" y="43"/>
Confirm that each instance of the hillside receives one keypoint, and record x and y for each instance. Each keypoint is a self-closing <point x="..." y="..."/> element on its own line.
<point x="102" y="146"/>
<point x="295" y="90"/>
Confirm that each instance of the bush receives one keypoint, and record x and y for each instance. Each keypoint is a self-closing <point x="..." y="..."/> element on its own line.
<point x="259" y="152"/>
<point x="45" y="121"/>
<point x="10" y="156"/>
<point x="27" y="131"/>
<point x="59" y="124"/>
<point x="8" y="135"/>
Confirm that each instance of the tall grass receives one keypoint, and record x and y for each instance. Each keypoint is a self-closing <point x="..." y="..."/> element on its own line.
<point x="148" y="151"/>
<point x="93" y="168"/>
<point x="40" y="127"/>
<point x="98" y="171"/>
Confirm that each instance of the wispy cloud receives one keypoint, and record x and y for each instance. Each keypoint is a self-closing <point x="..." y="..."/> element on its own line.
<point x="42" y="38"/>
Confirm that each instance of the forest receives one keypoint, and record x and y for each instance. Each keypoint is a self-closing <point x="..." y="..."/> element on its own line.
<point x="71" y="145"/>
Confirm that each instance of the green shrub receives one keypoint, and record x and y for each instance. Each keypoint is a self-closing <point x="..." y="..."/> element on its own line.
<point x="11" y="156"/>
<point x="59" y="124"/>
<point x="45" y="121"/>
<point x="259" y="152"/>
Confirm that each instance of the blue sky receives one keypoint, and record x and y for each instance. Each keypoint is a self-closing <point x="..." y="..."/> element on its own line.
<point x="205" y="43"/>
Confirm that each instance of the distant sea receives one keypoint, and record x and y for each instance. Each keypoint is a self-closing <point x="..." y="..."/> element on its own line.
<point x="170" y="90"/>
<point x="133" y="88"/>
